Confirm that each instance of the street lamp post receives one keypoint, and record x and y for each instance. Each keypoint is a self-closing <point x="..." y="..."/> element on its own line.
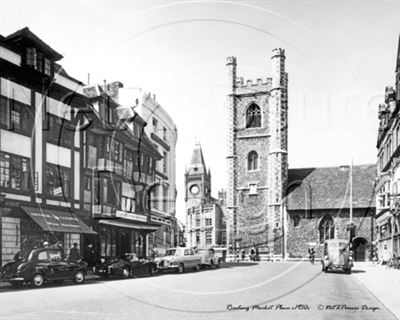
<point x="2" y="202"/>
<point x="350" y="226"/>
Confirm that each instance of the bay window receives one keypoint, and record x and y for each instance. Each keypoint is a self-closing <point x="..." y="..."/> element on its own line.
<point x="58" y="181"/>
<point x="14" y="172"/>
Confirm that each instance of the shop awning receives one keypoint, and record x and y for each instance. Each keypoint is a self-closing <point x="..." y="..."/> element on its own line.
<point x="57" y="220"/>
<point x="148" y="227"/>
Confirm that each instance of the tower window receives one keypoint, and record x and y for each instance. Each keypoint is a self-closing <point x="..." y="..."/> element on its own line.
<point x="253" y="116"/>
<point x="252" y="161"/>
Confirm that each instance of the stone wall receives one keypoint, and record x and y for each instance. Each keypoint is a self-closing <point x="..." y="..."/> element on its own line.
<point x="307" y="230"/>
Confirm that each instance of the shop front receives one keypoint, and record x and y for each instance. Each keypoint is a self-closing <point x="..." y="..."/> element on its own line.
<point x="119" y="236"/>
<point x="27" y="227"/>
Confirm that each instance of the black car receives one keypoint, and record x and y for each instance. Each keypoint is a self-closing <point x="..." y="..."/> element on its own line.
<point x="125" y="266"/>
<point x="42" y="265"/>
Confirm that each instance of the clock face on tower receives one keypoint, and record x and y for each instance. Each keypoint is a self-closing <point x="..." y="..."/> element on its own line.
<point x="194" y="189"/>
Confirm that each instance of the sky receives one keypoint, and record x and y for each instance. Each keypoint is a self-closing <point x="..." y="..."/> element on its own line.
<point x="340" y="55"/>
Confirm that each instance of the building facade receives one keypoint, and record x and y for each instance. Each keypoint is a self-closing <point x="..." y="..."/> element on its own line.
<point x="388" y="167"/>
<point x="257" y="157"/>
<point x="163" y="134"/>
<point x="319" y="209"/>
<point x="71" y="169"/>
<point x="39" y="147"/>
<point x="205" y="223"/>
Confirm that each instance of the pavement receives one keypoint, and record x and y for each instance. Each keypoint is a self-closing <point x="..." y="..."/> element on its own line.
<point x="382" y="282"/>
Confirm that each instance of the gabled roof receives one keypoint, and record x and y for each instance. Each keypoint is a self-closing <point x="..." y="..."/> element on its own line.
<point x="197" y="164"/>
<point x="26" y="34"/>
<point x="328" y="188"/>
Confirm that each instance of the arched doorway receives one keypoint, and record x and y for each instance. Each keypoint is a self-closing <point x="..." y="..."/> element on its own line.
<point x="360" y="247"/>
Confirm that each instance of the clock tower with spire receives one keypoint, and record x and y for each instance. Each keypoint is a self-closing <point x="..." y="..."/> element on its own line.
<point x="197" y="180"/>
<point x="205" y="224"/>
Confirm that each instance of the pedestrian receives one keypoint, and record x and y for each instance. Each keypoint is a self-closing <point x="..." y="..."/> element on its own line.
<point x="311" y="253"/>
<point x="252" y="254"/>
<point x="90" y="258"/>
<point x="243" y="254"/>
<point x="74" y="253"/>
<point x="154" y="252"/>
<point x="257" y="254"/>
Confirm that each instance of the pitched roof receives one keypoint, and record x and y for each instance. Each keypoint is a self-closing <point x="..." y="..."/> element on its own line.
<point x="328" y="188"/>
<point x="25" y="33"/>
<point x="197" y="161"/>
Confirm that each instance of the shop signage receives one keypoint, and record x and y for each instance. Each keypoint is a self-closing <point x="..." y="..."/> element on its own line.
<point x="131" y="216"/>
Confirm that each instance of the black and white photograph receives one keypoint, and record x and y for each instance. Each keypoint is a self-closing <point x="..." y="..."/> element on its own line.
<point x="199" y="159"/>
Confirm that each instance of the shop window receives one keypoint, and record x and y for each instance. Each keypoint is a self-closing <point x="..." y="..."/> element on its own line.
<point x="14" y="172"/>
<point x="58" y="182"/>
<point x="253" y="116"/>
<point x="326" y="229"/>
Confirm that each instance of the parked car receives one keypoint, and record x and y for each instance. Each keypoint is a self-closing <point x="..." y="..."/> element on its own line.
<point x="125" y="266"/>
<point x="337" y="256"/>
<point x="208" y="257"/>
<point x="43" y="265"/>
<point x="178" y="259"/>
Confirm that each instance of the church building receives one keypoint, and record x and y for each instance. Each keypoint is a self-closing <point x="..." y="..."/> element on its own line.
<point x="257" y="157"/>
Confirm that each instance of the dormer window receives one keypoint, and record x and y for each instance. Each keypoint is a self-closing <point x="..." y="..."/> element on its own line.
<point x="38" y="61"/>
<point x="47" y="67"/>
<point x="31" y="57"/>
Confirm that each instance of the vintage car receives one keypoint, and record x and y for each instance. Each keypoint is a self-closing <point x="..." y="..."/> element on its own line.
<point x="337" y="256"/>
<point x="208" y="257"/>
<point x="178" y="259"/>
<point x="43" y="265"/>
<point x="125" y="266"/>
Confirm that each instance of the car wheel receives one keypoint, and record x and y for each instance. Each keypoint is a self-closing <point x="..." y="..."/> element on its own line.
<point x="181" y="268"/>
<point x="79" y="277"/>
<point x="38" y="280"/>
<point x="125" y="273"/>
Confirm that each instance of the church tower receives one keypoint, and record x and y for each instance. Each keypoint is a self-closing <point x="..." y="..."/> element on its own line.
<point x="256" y="157"/>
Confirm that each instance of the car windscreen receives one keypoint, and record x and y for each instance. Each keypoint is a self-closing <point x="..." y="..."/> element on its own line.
<point x="170" y="252"/>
